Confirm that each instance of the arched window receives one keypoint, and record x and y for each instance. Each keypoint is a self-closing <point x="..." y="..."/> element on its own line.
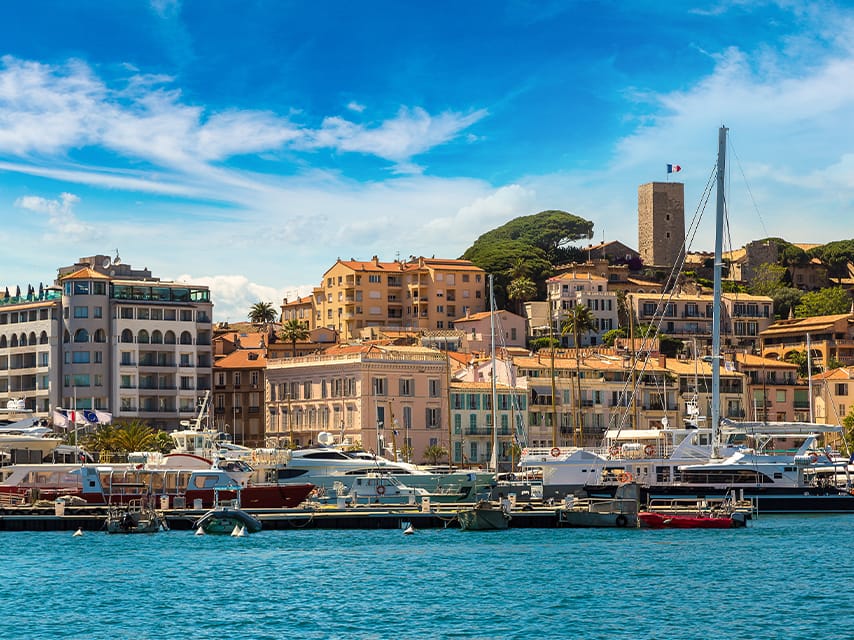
<point x="81" y="335"/>
<point x="43" y="339"/>
<point x="33" y="340"/>
<point x="169" y="337"/>
<point x="3" y="342"/>
<point x="127" y="335"/>
<point x="142" y="337"/>
<point x="156" y="337"/>
<point x="186" y="338"/>
<point x="66" y="337"/>
<point x="14" y="342"/>
<point x="100" y="335"/>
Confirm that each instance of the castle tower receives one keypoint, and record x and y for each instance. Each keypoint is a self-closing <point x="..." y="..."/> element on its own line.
<point x="661" y="223"/>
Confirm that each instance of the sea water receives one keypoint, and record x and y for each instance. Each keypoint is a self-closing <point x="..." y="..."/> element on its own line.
<point x="781" y="577"/>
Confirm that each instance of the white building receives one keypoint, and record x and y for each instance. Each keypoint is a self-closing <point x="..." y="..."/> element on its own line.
<point x="570" y="289"/>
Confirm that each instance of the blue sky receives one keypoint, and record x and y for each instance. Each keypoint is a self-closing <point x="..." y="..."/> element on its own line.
<point x="247" y="145"/>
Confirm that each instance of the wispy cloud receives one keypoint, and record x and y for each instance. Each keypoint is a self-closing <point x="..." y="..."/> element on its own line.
<point x="61" y="220"/>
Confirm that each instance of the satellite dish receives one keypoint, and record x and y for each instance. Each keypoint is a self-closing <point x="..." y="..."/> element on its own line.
<point x="118" y="260"/>
<point x="107" y="262"/>
<point x="325" y="438"/>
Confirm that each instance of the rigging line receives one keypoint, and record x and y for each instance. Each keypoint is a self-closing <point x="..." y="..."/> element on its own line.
<point x="658" y="315"/>
<point x="747" y="185"/>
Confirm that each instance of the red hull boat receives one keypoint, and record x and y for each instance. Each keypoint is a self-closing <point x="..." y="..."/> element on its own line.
<point x="654" y="520"/>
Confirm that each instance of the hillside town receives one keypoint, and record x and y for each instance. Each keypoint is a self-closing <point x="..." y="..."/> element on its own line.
<point x="399" y="357"/>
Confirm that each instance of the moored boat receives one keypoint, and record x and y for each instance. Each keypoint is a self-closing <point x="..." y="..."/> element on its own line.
<point x="484" y="516"/>
<point x="226" y="517"/>
<point x="135" y="517"/>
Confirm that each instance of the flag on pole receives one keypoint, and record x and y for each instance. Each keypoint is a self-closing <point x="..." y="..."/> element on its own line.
<point x="673" y="168"/>
<point x="60" y="419"/>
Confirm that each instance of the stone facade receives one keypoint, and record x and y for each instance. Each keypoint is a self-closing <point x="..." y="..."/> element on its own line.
<point x="661" y="223"/>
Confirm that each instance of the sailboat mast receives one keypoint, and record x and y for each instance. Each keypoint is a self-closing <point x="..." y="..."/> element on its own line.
<point x="716" y="304"/>
<point x="494" y="376"/>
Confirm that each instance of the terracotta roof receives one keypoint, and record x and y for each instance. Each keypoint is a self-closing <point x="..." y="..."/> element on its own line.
<point x="800" y="325"/>
<point x="484" y="314"/>
<point x="841" y="373"/>
<point x="87" y="273"/>
<point x="750" y="360"/>
<point x="578" y="275"/>
<point x="242" y="359"/>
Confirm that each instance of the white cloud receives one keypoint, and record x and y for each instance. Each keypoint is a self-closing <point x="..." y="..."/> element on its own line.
<point x="61" y="219"/>
<point x="355" y="106"/>
<point x="411" y="132"/>
<point x="234" y="295"/>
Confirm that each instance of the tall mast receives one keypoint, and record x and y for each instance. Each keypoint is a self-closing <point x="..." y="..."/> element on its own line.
<point x="494" y="374"/>
<point x="716" y="304"/>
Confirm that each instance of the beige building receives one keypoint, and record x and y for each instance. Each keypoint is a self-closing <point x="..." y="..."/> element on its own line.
<point x="833" y="395"/>
<point x="773" y="390"/>
<point x="477" y="331"/>
<point x="743" y="317"/>
<point x="570" y="289"/>
<point x="424" y="293"/>
<point x="362" y="394"/>
<point x="831" y="339"/>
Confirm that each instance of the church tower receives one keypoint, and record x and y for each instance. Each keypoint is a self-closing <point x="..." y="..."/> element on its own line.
<point x="661" y="223"/>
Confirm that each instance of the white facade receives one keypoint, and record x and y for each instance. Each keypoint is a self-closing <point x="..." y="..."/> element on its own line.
<point x="570" y="289"/>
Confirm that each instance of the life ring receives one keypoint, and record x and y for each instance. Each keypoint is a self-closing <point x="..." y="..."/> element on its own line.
<point x="813" y="457"/>
<point x="555" y="452"/>
<point x="622" y="521"/>
<point x="649" y="450"/>
<point x="615" y="451"/>
<point x="627" y="477"/>
<point x="525" y="452"/>
<point x="380" y="489"/>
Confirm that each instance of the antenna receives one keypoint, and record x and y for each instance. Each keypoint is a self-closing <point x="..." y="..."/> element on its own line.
<point x="117" y="259"/>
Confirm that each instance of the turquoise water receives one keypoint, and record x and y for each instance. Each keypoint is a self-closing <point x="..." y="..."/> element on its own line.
<point x="781" y="577"/>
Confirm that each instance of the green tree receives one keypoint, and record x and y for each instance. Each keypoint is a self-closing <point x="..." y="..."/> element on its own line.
<point x="521" y="290"/>
<point x="835" y="256"/>
<point x="578" y="322"/>
<point x="799" y="358"/>
<point x="499" y="257"/>
<point x="610" y="337"/>
<point x="785" y="301"/>
<point x="825" y="302"/>
<point x="848" y="424"/>
<point x="434" y="452"/>
<point x="262" y="313"/>
<point x="293" y="331"/>
<point x="767" y="279"/>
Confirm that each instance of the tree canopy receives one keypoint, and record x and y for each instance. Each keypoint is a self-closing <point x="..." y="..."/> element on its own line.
<point x="825" y="302"/>
<point x="528" y="246"/>
<point x="835" y="256"/>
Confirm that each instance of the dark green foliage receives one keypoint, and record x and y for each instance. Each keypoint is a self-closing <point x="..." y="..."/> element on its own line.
<point x="785" y="300"/>
<point x="825" y="302"/>
<point x="835" y="256"/>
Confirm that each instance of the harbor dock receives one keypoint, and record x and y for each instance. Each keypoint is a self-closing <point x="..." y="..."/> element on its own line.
<point x="439" y="516"/>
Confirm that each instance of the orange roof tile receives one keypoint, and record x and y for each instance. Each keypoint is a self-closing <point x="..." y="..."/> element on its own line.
<point x="85" y="272"/>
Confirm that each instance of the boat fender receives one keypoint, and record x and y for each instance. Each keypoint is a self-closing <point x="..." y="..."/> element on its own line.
<point x="622" y="521"/>
<point x="555" y="452"/>
<point x="380" y="489"/>
<point x="649" y="450"/>
<point x="627" y="477"/>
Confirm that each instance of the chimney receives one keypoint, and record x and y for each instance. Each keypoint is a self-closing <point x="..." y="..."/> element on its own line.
<point x="662" y="361"/>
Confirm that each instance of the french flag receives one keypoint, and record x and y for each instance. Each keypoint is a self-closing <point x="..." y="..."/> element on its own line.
<point x="673" y="168"/>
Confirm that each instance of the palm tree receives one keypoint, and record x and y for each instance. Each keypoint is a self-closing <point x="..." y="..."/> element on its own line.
<point x="578" y="321"/>
<point x="262" y="313"/>
<point x="292" y="331"/>
<point x="521" y="289"/>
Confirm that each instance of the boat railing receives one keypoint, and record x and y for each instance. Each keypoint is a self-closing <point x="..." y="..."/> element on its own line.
<point x="604" y="505"/>
<point x="702" y="506"/>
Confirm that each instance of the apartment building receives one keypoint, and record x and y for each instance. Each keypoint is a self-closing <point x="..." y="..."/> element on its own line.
<point x="477" y="330"/>
<point x="381" y="397"/>
<point x="473" y="427"/>
<point x="773" y="390"/>
<point x="743" y="316"/>
<point x="423" y="293"/>
<point x="833" y="395"/>
<point x="30" y="349"/>
<point x="831" y="339"/>
<point x="240" y="361"/>
<point x="108" y="337"/>
<point x="577" y="288"/>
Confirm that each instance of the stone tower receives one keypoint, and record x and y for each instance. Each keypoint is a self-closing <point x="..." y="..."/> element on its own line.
<point x="661" y="223"/>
